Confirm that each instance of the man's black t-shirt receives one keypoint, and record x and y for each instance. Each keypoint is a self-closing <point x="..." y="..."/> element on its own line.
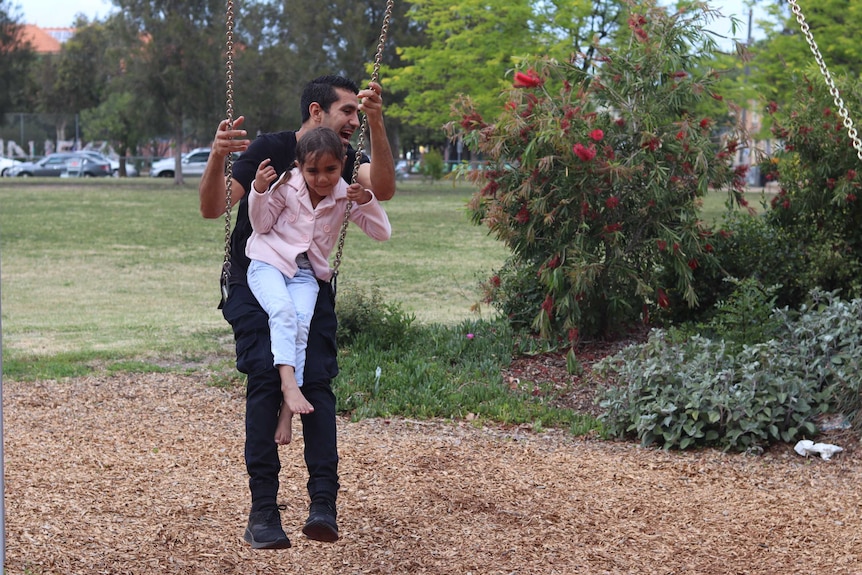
<point x="280" y="148"/>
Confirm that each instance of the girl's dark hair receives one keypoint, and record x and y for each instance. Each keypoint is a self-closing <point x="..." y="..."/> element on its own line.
<point x="319" y="142"/>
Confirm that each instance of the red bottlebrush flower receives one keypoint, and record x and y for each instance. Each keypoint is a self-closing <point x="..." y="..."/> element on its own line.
<point x="785" y="204"/>
<point x="613" y="228"/>
<point x="653" y="144"/>
<point x="772" y="107"/>
<point x="830" y="183"/>
<point x="705" y="123"/>
<point x="680" y="135"/>
<point x="679" y="74"/>
<point x="636" y="20"/>
<point x="641" y="34"/>
<point x="597" y="135"/>
<point x="583" y="152"/>
<point x="612" y="202"/>
<point x="548" y="304"/>
<point x="662" y="245"/>
<point x="472" y="121"/>
<point x="718" y="97"/>
<point x="511" y="106"/>
<point x="675" y="247"/>
<point x="523" y="215"/>
<point x="663" y="300"/>
<point x="554" y="262"/>
<point x="585" y="208"/>
<point x="732" y="145"/>
<point x="827" y="112"/>
<point x="692" y="263"/>
<point x="851" y="174"/>
<point x="567" y="86"/>
<point x="528" y="79"/>
<point x="573" y="334"/>
<point x="564" y="124"/>
<point x="774" y="201"/>
<point x="851" y="198"/>
<point x="495" y="281"/>
<point x="620" y="122"/>
<point x="743" y="202"/>
<point x="490" y="188"/>
<point x="708" y="248"/>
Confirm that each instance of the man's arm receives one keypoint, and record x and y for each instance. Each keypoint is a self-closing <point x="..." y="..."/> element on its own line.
<point x="212" y="189"/>
<point x="379" y="175"/>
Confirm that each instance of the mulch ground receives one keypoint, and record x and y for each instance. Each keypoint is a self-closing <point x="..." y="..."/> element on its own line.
<point x="144" y="474"/>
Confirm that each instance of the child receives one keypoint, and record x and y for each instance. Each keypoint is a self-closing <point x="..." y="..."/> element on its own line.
<point x="296" y="223"/>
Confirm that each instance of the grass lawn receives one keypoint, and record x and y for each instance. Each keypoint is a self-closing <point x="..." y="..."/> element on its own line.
<point x="129" y="267"/>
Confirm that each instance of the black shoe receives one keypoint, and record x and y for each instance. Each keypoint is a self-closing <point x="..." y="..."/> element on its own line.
<point x="320" y="525"/>
<point x="264" y="530"/>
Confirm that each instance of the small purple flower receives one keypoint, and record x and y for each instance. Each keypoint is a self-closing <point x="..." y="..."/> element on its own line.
<point x="469" y="336"/>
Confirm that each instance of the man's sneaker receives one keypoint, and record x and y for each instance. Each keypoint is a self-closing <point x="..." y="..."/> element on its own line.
<point x="264" y="530"/>
<point x="320" y="525"/>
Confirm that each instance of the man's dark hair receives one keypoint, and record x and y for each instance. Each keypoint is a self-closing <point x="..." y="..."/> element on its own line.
<point x="323" y="91"/>
<point x="319" y="142"/>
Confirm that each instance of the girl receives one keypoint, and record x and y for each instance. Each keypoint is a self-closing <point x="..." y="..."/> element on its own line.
<point x="296" y="222"/>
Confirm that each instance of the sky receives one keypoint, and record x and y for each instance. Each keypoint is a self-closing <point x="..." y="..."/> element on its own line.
<point x="61" y="13"/>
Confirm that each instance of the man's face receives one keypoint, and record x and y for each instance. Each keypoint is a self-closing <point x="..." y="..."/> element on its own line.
<point x="343" y="115"/>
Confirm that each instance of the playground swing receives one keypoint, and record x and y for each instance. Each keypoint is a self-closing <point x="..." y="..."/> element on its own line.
<point x="229" y="64"/>
<point x="824" y="71"/>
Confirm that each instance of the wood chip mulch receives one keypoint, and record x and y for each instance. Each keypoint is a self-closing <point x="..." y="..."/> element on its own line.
<point x="144" y="474"/>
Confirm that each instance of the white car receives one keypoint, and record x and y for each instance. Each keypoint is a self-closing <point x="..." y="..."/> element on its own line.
<point x="6" y="163"/>
<point x="192" y="164"/>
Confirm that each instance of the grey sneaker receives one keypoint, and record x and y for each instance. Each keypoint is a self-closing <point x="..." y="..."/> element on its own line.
<point x="264" y="530"/>
<point x="321" y="525"/>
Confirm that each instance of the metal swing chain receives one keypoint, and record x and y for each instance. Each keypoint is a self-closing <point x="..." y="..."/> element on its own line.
<point x="839" y="102"/>
<point x="229" y="52"/>
<point x="384" y="30"/>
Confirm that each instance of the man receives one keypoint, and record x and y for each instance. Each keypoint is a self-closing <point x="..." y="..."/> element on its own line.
<point x="333" y="102"/>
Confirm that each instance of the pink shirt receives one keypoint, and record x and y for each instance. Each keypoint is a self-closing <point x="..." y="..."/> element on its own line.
<point x="285" y="224"/>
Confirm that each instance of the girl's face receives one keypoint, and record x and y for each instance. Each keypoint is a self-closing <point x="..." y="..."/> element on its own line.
<point x="321" y="173"/>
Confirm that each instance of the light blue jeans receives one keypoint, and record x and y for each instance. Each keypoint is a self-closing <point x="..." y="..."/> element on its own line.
<point x="289" y="302"/>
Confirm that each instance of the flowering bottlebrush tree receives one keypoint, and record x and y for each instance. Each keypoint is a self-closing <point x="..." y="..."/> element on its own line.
<point x="819" y="176"/>
<point x="594" y="174"/>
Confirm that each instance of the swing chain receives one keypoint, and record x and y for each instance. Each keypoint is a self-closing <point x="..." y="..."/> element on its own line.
<point x="229" y="53"/>
<point x="378" y="58"/>
<point x="836" y="96"/>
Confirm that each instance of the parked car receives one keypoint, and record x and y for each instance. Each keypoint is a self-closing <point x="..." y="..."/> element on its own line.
<point x="6" y="163"/>
<point x="52" y="165"/>
<point x="87" y="165"/>
<point x="192" y="164"/>
<point x="131" y="170"/>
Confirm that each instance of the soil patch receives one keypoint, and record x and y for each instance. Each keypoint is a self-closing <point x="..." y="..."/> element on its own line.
<point x="144" y="474"/>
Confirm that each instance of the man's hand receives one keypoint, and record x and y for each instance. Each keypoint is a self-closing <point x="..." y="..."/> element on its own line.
<point x="230" y="141"/>
<point x="371" y="100"/>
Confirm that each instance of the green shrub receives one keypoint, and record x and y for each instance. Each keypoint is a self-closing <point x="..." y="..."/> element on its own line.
<point x="698" y="392"/>
<point x="746" y="246"/>
<point x="432" y="164"/>
<point x="369" y="316"/>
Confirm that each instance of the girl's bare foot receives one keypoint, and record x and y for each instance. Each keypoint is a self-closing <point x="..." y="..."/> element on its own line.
<point x="294" y="401"/>
<point x="284" y="430"/>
